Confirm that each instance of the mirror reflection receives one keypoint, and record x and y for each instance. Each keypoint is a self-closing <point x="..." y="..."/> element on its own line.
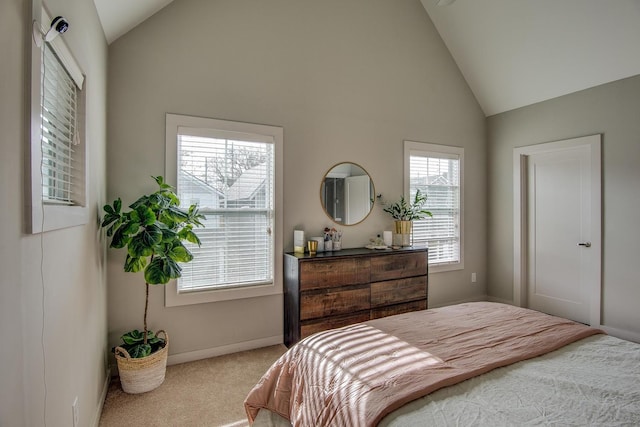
<point x="347" y="193"/>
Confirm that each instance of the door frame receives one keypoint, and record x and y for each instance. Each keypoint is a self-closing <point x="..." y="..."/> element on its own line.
<point x="520" y="220"/>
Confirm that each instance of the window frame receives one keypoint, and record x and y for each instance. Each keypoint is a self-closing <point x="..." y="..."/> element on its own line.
<point x="173" y="123"/>
<point x="45" y="216"/>
<point x="446" y="151"/>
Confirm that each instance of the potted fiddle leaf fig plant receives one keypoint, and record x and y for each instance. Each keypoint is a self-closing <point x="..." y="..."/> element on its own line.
<point x="404" y="213"/>
<point x="152" y="232"/>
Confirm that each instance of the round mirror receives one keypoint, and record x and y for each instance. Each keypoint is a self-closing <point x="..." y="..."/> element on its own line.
<point x="347" y="193"/>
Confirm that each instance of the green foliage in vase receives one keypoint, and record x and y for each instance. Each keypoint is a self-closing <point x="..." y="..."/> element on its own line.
<point x="405" y="211"/>
<point x="152" y="232"/>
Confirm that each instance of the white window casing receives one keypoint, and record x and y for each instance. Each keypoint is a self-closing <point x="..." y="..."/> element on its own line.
<point x="438" y="171"/>
<point x="57" y="174"/>
<point x="233" y="171"/>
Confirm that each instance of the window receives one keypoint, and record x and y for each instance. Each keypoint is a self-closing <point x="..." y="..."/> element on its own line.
<point x="58" y="179"/>
<point x="231" y="170"/>
<point x="437" y="170"/>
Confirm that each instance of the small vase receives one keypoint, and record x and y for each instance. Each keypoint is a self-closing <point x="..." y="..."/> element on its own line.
<point x="337" y="245"/>
<point x="403" y="230"/>
<point x="328" y="245"/>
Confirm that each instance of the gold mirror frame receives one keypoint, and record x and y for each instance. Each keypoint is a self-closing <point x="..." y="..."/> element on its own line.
<point x="348" y="207"/>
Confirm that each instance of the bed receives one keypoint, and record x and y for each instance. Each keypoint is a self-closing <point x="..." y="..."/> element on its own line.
<point x="468" y="364"/>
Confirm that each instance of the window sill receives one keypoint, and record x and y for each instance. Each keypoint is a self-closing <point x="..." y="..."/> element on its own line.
<point x="174" y="299"/>
<point x="50" y="217"/>
<point x="442" y="268"/>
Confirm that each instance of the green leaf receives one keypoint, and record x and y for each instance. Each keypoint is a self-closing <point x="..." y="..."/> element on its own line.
<point x="134" y="264"/>
<point x="179" y="253"/>
<point x="172" y="268"/>
<point x="114" y="227"/>
<point x="167" y="219"/>
<point x="177" y="214"/>
<point x="195" y="216"/>
<point x="154" y="200"/>
<point x="133" y="337"/>
<point x="120" y="239"/>
<point x="108" y="209"/>
<point x="133" y="216"/>
<point x="113" y="213"/>
<point x="163" y="202"/>
<point x="174" y="199"/>
<point x="138" y="247"/>
<point x="168" y="235"/>
<point x="161" y="270"/>
<point x="131" y="227"/>
<point x="140" y="202"/>
<point x="109" y="218"/>
<point x="154" y="274"/>
<point x="146" y="215"/>
<point x="140" y="350"/>
<point x="193" y="238"/>
<point x="154" y="340"/>
<point x="152" y="235"/>
<point x="161" y="183"/>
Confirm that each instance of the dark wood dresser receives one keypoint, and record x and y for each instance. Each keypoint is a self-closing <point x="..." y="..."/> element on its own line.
<point x="334" y="289"/>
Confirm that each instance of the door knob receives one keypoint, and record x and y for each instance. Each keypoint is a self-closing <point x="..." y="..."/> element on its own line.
<point x="585" y="244"/>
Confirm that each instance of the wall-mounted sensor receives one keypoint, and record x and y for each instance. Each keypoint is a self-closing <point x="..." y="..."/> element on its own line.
<point x="59" y="25"/>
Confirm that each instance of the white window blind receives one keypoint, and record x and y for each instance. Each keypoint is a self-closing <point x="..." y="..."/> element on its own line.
<point x="59" y="109"/>
<point x="232" y="180"/>
<point x="438" y="175"/>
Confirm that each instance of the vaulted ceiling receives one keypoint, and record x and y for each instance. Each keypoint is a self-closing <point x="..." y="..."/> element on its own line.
<point x="512" y="53"/>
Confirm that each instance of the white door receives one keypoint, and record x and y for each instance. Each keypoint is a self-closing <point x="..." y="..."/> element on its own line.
<point x="562" y="251"/>
<point x="357" y="198"/>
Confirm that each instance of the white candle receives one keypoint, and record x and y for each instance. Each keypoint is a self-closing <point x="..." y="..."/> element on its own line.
<point x="387" y="237"/>
<point x="298" y="241"/>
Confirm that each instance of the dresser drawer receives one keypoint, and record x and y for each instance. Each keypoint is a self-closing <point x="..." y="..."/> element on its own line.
<point x="311" y="327"/>
<point x="397" y="291"/>
<point x="398" y="265"/>
<point x="390" y="310"/>
<point x="339" y="301"/>
<point x="334" y="289"/>
<point x="334" y="273"/>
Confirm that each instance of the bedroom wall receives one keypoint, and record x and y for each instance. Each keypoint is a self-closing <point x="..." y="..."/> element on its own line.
<point x="348" y="81"/>
<point x="612" y="110"/>
<point x="68" y="264"/>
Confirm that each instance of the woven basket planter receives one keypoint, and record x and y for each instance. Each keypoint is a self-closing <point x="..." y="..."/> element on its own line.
<point x="143" y="374"/>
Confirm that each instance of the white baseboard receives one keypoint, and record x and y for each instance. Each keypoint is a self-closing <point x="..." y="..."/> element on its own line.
<point x="103" y="396"/>
<point x="500" y="300"/>
<point x="206" y="353"/>
<point x="621" y="333"/>
<point x="614" y="332"/>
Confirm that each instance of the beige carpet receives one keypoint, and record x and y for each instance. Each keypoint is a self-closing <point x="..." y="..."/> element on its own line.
<point x="207" y="392"/>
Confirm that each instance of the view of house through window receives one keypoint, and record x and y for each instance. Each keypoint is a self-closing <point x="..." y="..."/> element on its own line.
<point x="232" y="180"/>
<point x="437" y="171"/>
<point x="59" y="130"/>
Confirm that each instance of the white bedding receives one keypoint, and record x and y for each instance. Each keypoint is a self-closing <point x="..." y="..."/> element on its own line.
<point x="595" y="381"/>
